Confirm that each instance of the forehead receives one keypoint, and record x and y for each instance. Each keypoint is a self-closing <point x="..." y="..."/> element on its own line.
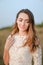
<point x="23" y="15"/>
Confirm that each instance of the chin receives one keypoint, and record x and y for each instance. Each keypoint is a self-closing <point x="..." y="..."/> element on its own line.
<point x="22" y="29"/>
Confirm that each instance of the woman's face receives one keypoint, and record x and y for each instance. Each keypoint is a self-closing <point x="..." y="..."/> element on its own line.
<point x="23" y="21"/>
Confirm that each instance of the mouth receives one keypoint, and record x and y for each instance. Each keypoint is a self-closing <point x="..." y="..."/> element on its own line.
<point x="22" y="27"/>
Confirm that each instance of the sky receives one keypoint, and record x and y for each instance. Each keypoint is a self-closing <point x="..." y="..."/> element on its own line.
<point x="9" y="9"/>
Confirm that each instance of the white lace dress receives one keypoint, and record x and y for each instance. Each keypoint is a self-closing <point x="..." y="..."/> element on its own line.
<point x="22" y="55"/>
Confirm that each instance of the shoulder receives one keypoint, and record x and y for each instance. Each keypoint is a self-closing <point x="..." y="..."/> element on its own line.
<point x="37" y="41"/>
<point x="9" y="36"/>
<point x="7" y="39"/>
<point x="38" y="51"/>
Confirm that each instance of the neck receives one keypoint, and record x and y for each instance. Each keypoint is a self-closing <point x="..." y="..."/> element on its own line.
<point x="22" y="33"/>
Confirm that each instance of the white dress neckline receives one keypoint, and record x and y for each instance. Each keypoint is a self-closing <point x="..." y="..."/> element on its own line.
<point x="21" y="36"/>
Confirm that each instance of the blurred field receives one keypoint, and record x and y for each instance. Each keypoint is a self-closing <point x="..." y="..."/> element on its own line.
<point x="6" y="31"/>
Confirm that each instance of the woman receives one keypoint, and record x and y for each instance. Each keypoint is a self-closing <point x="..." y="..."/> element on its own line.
<point x="22" y="45"/>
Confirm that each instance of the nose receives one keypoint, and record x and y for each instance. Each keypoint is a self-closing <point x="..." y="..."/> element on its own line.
<point x="23" y="23"/>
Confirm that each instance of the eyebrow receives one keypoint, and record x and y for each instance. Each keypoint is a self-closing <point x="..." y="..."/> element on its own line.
<point x="22" y="19"/>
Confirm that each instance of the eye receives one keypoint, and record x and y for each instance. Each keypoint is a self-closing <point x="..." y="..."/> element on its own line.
<point x="27" y="21"/>
<point x="20" y="20"/>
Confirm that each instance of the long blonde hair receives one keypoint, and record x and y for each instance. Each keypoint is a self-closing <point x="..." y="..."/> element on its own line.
<point x="31" y="41"/>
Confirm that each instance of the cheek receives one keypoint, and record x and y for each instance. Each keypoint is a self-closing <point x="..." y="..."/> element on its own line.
<point x="18" y="23"/>
<point x="26" y="25"/>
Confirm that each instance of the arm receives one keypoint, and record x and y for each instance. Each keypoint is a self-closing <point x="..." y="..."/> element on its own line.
<point x="8" y="44"/>
<point x="37" y="56"/>
<point x="6" y="57"/>
<point x="6" y="53"/>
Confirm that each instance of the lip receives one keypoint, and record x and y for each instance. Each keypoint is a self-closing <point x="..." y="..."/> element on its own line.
<point x="22" y="26"/>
